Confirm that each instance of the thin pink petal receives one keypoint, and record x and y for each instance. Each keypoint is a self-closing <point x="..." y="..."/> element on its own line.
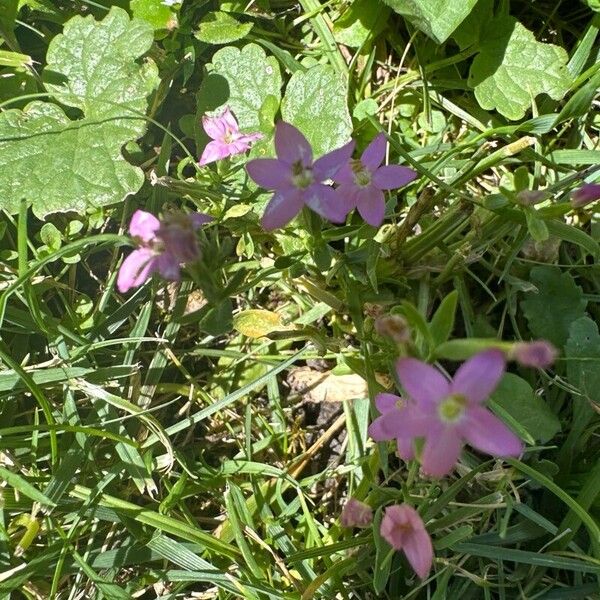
<point x="345" y="175"/>
<point x="391" y="177"/>
<point x="198" y="219"/>
<point x="135" y="269"/>
<point x="406" y="450"/>
<point x="386" y="402"/>
<point x="374" y="153"/>
<point x="422" y="382"/>
<point x="325" y="201"/>
<point x="215" y="127"/>
<point x="477" y="378"/>
<point x="215" y="151"/>
<point x="269" y="173"/>
<point x="143" y="225"/>
<point x="376" y="430"/>
<point x="419" y="551"/>
<point x="441" y="452"/>
<point x="167" y="265"/>
<point x="347" y="197"/>
<point x="371" y="205"/>
<point x="406" y="423"/>
<point x="238" y="146"/>
<point x="248" y="138"/>
<point x="282" y="208"/>
<point x="229" y="121"/>
<point x="291" y="145"/>
<point x="487" y="433"/>
<point x="329" y="164"/>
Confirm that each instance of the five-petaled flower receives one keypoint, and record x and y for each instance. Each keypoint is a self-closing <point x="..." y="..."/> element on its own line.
<point x="227" y="138"/>
<point x="298" y="180"/>
<point x="363" y="180"/>
<point x="162" y="247"/>
<point x="403" y="529"/>
<point x="448" y="413"/>
<point x="586" y="194"/>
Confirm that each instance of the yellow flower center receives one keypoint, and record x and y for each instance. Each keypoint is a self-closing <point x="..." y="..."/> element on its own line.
<point x="452" y="408"/>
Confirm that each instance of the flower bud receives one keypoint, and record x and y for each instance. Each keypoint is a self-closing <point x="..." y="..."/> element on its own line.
<point x="394" y="327"/>
<point x="538" y="354"/>
<point x="356" y="514"/>
<point x="587" y="193"/>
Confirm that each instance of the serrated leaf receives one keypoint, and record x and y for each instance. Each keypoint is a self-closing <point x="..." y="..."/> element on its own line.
<point x="516" y="398"/>
<point x="583" y="354"/>
<point x="512" y="68"/>
<point x="221" y="28"/>
<point x="154" y="12"/>
<point x="63" y="165"/>
<point x="315" y="102"/>
<point x="242" y="79"/>
<point x="435" y="18"/>
<point x="557" y="304"/>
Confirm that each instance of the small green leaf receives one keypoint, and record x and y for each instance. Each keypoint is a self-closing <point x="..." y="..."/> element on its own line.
<point x="557" y="304"/>
<point x="362" y="20"/>
<point x="537" y="227"/>
<point x="442" y="323"/>
<point x="221" y="28"/>
<point x="435" y="18"/>
<point x="527" y="68"/>
<point x="14" y="59"/>
<point x="51" y="236"/>
<point x="516" y="398"/>
<point x="242" y="79"/>
<point x="583" y="354"/>
<point x="315" y="102"/>
<point x="154" y="12"/>
<point x="255" y="323"/>
<point x="22" y="485"/>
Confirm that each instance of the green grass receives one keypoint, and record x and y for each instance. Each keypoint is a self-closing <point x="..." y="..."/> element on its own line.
<point x="151" y="450"/>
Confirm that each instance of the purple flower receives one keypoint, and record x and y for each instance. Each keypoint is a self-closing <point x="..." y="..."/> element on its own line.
<point x="163" y="247"/>
<point x="538" y="354"/>
<point x="362" y="182"/>
<point x="449" y="413"/>
<point x="587" y="193"/>
<point x="226" y="135"/>
<point x="403" y="529"/>
<point x="356" y="514"/>
<point x="298" y="180"/>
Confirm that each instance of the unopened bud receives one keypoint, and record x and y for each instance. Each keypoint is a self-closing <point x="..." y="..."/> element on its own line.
<point x="539" y="354"/>
<point x="394" y="327"/>
<point x="356" y="514"/>
<point x="587" y="193"/>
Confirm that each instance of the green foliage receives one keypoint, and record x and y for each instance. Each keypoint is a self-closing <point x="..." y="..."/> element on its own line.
<point x="583" y="358"/>
<point x="557" y="303"/>
<point x="514" y="398"/>
<point x="244" y="79"/>
<point x="436" y="18"/>
<point x="221" y="28"/>
<point x="155" y="13"/>
<point x="361" y="21"/>
<point x="315" y="102"/>
<point x="61" y="164"/>
<point x="512" y="68"/>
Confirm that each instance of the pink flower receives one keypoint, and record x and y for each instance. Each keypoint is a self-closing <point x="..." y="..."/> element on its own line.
<point x="362" y="182"/>
<point x="587" y="193"/>
<point x="449" y="413"/>
<point x="356" y="514"/>
<point x="403" y="529"/>
<point x="297" y="180"/>
<point x="163" y="247"/>
<point x="395" y="422"/>
<point x="538" y="354"/>
<point x="226" y="135"/>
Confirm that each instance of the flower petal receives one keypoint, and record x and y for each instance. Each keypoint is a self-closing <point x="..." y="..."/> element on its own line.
<point x="198" y="219"/>
<point x="291" y="145"/>
<point x="422" y="382"/>
<point x="406" y="450"/>
<point x="143" y="225"/>
<point x="376" y="430"/>
<point x="248" y="138"/>
<point x="229" y="121"/>
<point x="345" y="175"/>
<point x="214" y="127"/>
<point x="391" y="177"/>
<point x="374" y="153"/>
<point x="167" y="265"/>
<point x="588" y="192"/>
<point x="325" y="201"/>
<point x="347" y="197"/>
<point x="135" y="269"/>
<point x="487" y="433"/>
<point x="441" y="452"/>
<point x="419" y="551"/>
<point x="407" y="423"/>
<point x="269" y="173"/>
<point x="282" y="208"/>
<point x="329" y="164"/>
<point x="371" y="205"/>
<point x="214" y="151"/>
<point x="386" y="402"/>
<point x="477" y="378"/>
